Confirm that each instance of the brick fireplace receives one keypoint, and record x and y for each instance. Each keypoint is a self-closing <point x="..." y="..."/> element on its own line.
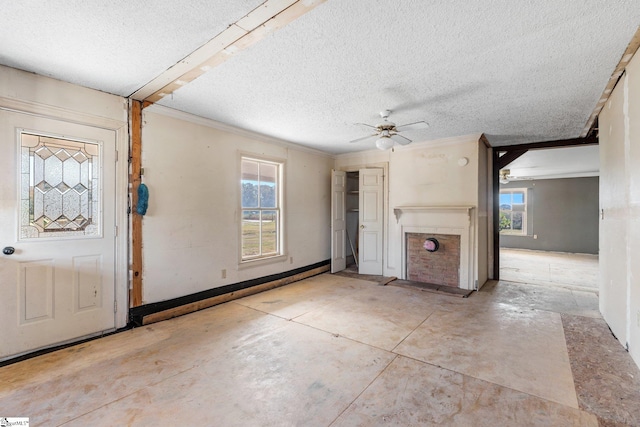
<point x="439" y="267"/>
<point x="453" y="264"/>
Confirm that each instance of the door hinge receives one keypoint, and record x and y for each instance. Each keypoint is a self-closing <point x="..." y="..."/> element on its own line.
<point x="116" y="231"/>
<point x="117" y="156"/>
<point x="115" y="306"/>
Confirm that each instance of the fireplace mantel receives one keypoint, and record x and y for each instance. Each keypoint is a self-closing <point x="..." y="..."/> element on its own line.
<point x="398" y="210"/>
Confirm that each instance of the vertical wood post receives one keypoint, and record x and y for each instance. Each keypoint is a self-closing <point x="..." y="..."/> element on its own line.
<point x="496" y="214"/>
<point x="136" y="219"/>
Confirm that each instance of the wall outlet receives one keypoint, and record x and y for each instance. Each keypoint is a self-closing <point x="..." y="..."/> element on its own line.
<point x="224" y="273"/>
<point x="535" y="236"/>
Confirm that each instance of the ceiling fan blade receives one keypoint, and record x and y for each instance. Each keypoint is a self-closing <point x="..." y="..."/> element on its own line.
<point x="364" y="138"/>
<point x="400" y="139"/>
<point x="413" y="126"/>
<point x="364" y="124"/>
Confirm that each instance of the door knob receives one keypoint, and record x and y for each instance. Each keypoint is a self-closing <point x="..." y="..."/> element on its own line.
<point x="362" y="226"/>
<point x="9" y="250"/>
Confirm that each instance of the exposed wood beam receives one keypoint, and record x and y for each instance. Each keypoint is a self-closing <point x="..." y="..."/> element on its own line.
<point x="136" y="220"/>
<point x="549" y="144"/>
<point x="509" y="157"/>
<point x="255" y="26"/>
<point x="495" y="188"/>
<point x="631" y="49"/>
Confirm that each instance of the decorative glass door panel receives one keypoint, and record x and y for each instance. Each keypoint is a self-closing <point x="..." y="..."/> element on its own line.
<point x="60" y="187"/>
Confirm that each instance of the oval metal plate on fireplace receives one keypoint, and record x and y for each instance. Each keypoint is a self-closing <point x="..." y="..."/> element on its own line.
<point x="431" y="244"/>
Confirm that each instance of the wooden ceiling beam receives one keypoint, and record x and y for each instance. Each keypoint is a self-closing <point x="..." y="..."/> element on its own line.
<point x="631" y="49"/>
<point x="255" y="26"/>
<point x="509" y="157"/>
<point x="559" y="143"/>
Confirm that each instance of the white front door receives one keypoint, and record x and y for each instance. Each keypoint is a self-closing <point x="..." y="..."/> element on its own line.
<point x="371" y="221"/>
<point x="57" y="213"/>
<point x="338" y="221"/>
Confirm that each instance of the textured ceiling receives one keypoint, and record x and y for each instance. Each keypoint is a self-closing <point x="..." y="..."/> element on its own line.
<point x="567" y="162"/>
<point x="518" y="71"/>
<point x="115" y="46"/>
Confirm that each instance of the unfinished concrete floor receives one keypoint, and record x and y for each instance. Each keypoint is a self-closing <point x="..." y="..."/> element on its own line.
<point x="339" y="351"/>
<point x="579" y="271"/>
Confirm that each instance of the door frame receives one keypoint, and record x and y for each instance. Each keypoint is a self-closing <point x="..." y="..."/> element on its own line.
<point x="386" y="210"/>
<point x="121" y="292"/>
<point x="511" y="153"/>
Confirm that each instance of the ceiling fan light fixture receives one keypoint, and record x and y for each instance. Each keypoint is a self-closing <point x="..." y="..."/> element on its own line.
<point x="384" y="143"/>
<point x="504" y="176"/>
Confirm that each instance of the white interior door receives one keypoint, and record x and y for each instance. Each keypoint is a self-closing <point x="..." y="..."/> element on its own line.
<point x="371" y="221"/>
<point x="57" y="210"/>
<point x="338" y="221"/>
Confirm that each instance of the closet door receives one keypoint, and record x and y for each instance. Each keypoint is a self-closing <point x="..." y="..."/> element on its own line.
<point x="371" y="221"/>
<point x="338" y="221"/>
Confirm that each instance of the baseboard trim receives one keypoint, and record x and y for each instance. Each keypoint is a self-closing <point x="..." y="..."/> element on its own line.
<point x="164" y="310"/>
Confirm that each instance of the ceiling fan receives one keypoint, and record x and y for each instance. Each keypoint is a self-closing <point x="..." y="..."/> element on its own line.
<point x="387" y="133"/>
<point x="505" y="177"/>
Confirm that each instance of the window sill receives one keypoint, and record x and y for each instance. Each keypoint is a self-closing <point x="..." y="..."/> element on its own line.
<point x="515" y="235"/>
<point x="262" y="261"/>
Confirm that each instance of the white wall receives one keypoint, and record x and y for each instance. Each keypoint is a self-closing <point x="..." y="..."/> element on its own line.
<point x="191" y="229"/>
<point x="423" y="174"/>
<point x="619" y="124"/>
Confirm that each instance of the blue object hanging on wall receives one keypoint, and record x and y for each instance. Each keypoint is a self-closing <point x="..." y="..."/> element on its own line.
<point x="143" y="199"/>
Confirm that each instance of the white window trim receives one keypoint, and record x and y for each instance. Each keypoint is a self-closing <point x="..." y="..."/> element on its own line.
<point x="283" y="255"/>
<point x="525" y="218"/>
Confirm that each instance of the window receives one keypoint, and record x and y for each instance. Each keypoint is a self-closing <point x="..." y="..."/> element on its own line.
<point x="513" y="211"/>
<point x="261" y="217"/>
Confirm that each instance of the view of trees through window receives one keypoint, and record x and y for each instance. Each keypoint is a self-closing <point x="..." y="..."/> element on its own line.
<point x="513" y="212"/>
<point x="260" y="209"/>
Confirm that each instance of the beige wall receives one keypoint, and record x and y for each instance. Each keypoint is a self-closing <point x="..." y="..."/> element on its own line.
<point x="191" y="230"/>
<point x="62" y="99"/>
<point x="428" y="174"/>
<point x="619" y="124"/>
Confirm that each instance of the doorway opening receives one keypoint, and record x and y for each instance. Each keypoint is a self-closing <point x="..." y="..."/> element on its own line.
<point x="352" y="207"/>
<point x="547" y="217"/>
<point x="357" y="220"/>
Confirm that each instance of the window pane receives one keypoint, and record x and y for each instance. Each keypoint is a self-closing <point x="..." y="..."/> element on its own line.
<point x="269" y="232"/>
<point x="268" y="183"/>
<point x="505" y="220"/>
<point x="505" y="199"/>
<point x="516" y="220"/>
<point x="249" y="194"/>
<point x="250" y="233"/>
<point x="267" y="195"/>
<point x="518" y="198"/>
<point x="250" y="184"/>
<point x="268" y="173"/>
